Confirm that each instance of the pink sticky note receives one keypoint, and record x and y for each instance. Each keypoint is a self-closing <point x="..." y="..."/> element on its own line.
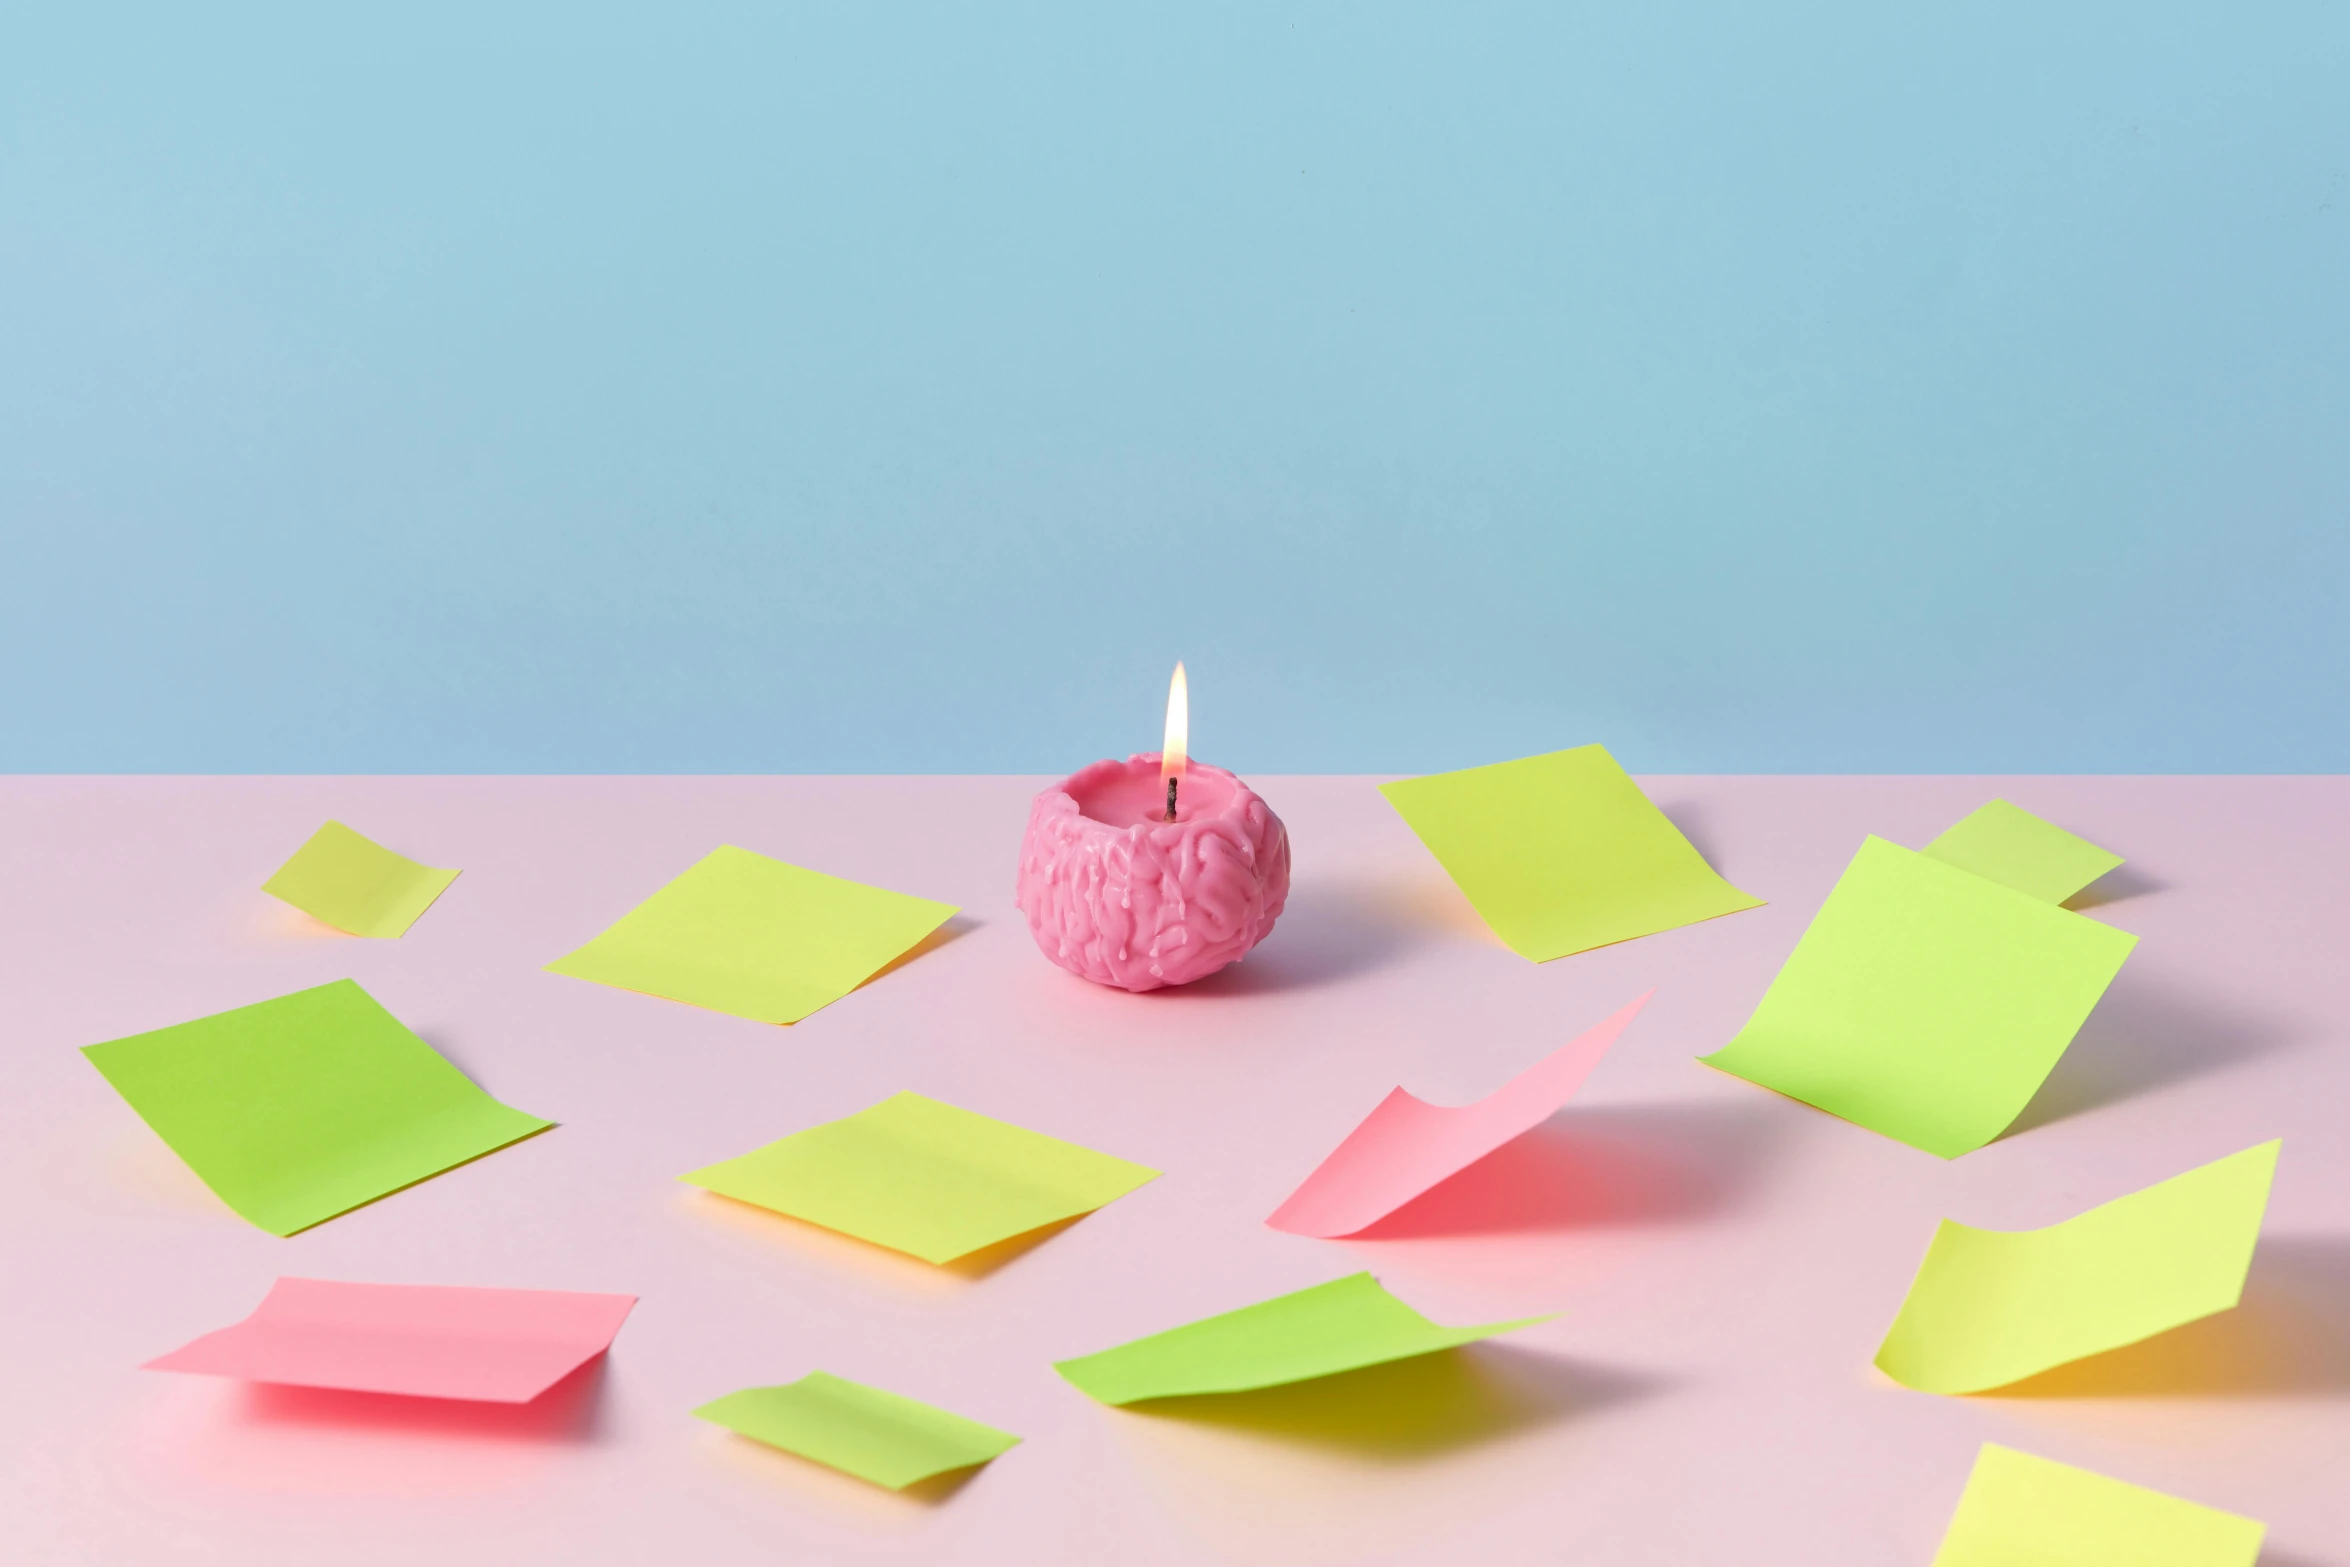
<point x="1407" y="1145"/>
<point x="425" y="1340"/>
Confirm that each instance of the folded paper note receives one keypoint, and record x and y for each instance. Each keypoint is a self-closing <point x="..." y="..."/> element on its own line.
<point x="741" y="933"/>
<point x="1407" y="1145"/>
<point x="923" y="1177"/>
<point x="421" y="1340"/>
<point x="354" y="884"/>
<point x="2022" y="1511"/>
<point x="1561" y="853"/>
<point x="1343" y="1325"/>
<point x="297" y="1109"/>
<point x="1990" y="1307"/>
<point x="859" y="1430"/>
<point x="2017" y="849"/>
<point x="1926" y="1002"/>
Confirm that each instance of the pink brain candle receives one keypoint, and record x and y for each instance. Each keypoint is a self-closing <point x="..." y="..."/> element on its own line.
<point x="1123" y="897"/>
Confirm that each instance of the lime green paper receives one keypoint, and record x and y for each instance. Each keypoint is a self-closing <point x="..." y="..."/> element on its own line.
<point x="1343" y="1325"/>
<point x="2017" y="849"/>
<point x="1561" y="853"/>
<point x="1990" y="1307"/>
<point x="923" y="1177"/>
<point x="297" y="1109"/>
<point x="1926" y="1002"/>
<point x="859" y="1430"/>
<point x="2022" y="1511"/>
<point x="356" y="884"/>
<point x="742" y="933"/>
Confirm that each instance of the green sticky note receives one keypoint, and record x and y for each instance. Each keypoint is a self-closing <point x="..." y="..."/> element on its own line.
<point x="1990" y="1307"/>
<point x="297" y="1109"/>
<point x="1562" y="853"/>
<point x="742" y="933"/>
<point x="859" y="1430"/>
<point x="924" y="1178"/>
<point x="1343" y="1325"/>
<point x="2022" y="1511"/>
<point x="1926" y="1002"/>
<point x="2017" y="849"/>
<point x="356" y="884"/>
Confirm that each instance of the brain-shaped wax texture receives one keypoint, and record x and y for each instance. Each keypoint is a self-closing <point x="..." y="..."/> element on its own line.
<point x="1155" y="903"/>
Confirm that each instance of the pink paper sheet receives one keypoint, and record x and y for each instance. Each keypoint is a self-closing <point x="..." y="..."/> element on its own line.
<point x="424" y="1340"/>
<point x="1407" y="1145"/>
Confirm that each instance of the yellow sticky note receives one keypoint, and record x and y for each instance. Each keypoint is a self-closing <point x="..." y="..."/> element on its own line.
<point x="2017" y="849"/>
<point x="2022" y="1511"/>
<point x="1344" y="1325"/>
<point x="1562" y="852"/>
<point x="741" y="933"/>
<point x="883" y="1437"/>
<point x="355" y="884"/>
<point x="924" y="1178"/>
<point x="1990" y="1307"/>
<point x="1925" y="1002"/>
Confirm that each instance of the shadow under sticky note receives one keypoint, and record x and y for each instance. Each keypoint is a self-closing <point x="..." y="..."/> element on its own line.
<point x="2022" y="1511"/>
<point x="2013" y="847"/>
<point x="1992" y="1307"/>
<point x="1406" y="1145"/>
<point x="926" y="1178"/>
<point x="1925" y="1002"/>
<point x="890" y="1440"/>
<point x="298" y="1109"/>
<point x="1343" y="1325"/>
<point x="420" y="1341"/>
<point x="743" y="934"/>
<point x="1561" y="853"/>
<point x="343" y="879"/>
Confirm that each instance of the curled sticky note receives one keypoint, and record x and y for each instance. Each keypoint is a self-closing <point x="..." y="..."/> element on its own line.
<point x="421" y="1340"/>
<point x="1562" y="852"/>
<point x="926" y="1178"/>
<point x="2013" y="847"/>
<point x="1990" y="1307"/>
<point x="300" y="1108"/>
<point x="1925" y="1002"/>
<point x="1407" y="1145"/>
<point x="1343" y="1325"/>
<point x="890" y="1440"/>
<point x="357" y="885"/>
<point x="2022" y="1511"/>
<point x="740" y="933"/>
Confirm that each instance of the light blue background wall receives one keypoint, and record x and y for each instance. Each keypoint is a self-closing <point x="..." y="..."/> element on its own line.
<point x="1781" y="387"/>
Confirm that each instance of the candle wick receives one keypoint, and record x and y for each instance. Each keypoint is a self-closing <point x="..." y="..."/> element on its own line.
<point x="1170" y="799"/>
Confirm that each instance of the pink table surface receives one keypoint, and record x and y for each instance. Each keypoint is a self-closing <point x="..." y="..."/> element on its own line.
<point x="1725" y="1260"/>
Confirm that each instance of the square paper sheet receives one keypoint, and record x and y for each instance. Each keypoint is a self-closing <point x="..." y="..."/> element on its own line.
<point x="925" y="1178"/>
<point x="420" y="1340"/>
<point x="741" y="933"/>
<point x="877" y="1436"/>
<point x="357" y="885"/>
<point x="1562" y="853"/>
<point x="297" y="1109"/>
<point x="1926" y="1002"/>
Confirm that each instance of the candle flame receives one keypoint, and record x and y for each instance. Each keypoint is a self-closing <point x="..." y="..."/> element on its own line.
<point x="1175" y="754"/>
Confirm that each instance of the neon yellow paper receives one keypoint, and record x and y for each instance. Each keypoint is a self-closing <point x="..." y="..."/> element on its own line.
<point x="301" y="1108"/>
<point x="1990" y="1307"/>
<point x="356" y="884"/>
<point x="2022" y="1511"/>
<point x="1562" y="852"/>
<point x="924" y="1178"/>
<point x="859" y="1430"/>
<point x="1343" y="1325"/>
<point x="742" y="933"/>
<point x="2017" y="849"/>
<point x="1926" y="1002"/>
